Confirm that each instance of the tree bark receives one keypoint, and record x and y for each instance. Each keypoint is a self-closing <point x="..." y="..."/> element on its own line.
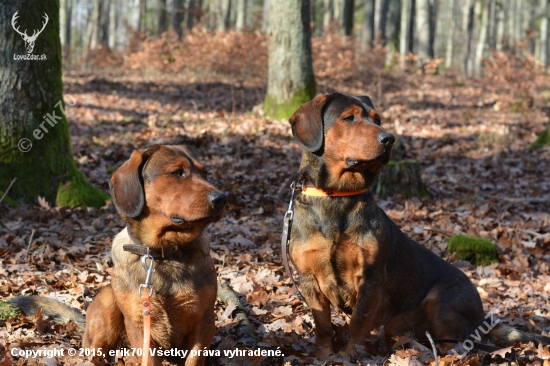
<point x="367" y="33"/>
<point x="403" y="31"/>
<point x="327" y="13"/>
<point x="136" y="15"/>
<point x="290" y="79"/>
<point x="483" y="6"/>
<point x="543" y="38"/>
<point x="32" y="113"/>
<point x="392" y="35"/>
<point x="450" y="35"/>
<point x="65" y="14"/>
<point x="191" y="14"/>
<point x="466" y="34"/>
<point x="348" y="16"/>
<point x="177" y="17"/>
<point x="500" y="25"/>
<point x="162" y="18"/>
<point x="113" y="20"/>
<point x="94" y="33"/>
<point x="223" y="15"/>
<point x="241" y="15"/>
<point x="422" y="29"/>
<point x="380" y="13"/>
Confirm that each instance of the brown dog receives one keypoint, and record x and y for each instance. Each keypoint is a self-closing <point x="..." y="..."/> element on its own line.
<point x="163" y="196"/>
<point x="351" y="255"/>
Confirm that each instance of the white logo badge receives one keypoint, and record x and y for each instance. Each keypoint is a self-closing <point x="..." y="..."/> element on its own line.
<point x="29" y="40"/>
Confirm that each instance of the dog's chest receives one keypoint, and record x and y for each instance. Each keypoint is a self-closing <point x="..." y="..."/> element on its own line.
<point x="337" y="264"/>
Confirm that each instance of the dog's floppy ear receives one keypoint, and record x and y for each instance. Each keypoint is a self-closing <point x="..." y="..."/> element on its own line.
<point x="369" y="106"/>
<point x="126" y="184"/>
<point x="307" y="123"/>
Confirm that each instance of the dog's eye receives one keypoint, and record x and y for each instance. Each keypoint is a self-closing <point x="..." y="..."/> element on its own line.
<point x="350" y="118"/>
<point x="178" y="173"/>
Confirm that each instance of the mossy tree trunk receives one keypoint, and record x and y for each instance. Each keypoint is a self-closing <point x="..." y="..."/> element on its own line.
<point x="400" y="176"/>
<point x="290" y="79"/>
<point x="32" y="108"/>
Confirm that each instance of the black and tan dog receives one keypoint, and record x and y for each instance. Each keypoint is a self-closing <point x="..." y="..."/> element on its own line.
<point x="163" y="196"/>
<point x="350" y="254"/>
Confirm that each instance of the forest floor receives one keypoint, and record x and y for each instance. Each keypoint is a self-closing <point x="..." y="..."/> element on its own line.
<point x="471" y="137"/>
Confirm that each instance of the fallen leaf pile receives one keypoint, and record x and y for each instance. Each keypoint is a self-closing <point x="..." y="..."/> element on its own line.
<point x="471" y="138"/>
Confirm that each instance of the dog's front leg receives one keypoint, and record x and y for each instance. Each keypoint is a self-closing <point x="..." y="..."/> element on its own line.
<point x="200" y="339"/>
<point x="320" y="308"/>
<point x="362" y="317"/>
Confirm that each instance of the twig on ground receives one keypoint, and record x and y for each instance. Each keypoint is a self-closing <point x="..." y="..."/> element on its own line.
<point x="29" y="246"/>
<point x="434" y="350"/>
<point x="528" y="199"/>
<point x="8" y="189"/>
<point x="441" y="231"/>
<point x="227" y="296"/>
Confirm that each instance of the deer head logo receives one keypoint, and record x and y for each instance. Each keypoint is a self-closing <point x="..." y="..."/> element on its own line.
<point x="29" y="40"/>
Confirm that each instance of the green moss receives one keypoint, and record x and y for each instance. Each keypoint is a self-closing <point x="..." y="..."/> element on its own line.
<point x="479" y="251"/>
<point x="78" y="191"/>
<point x="543" y="139"/>
<point x="6" y="310"/>
<point x="284" y="109"/>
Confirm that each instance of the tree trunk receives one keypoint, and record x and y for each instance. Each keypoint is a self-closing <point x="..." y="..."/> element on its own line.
<point x="380" y="13"/>
<point x="347" y="19"/>
<point x="543" y="38"/>
<point x="104" y="22"/>
<point x="422" y="29"/>
<point x="65" y="22"/>
<point x="223" y="15"/>
<point x="500" y="17"/>
<point x="465" y="34"/>
<point x="113" y="19"/>
<point x="34" y="137"/>
<point x="474" y="26"/>
<point x="94" y="34"/>
<point x="392" y="35"/>
<point x="327" y="13"/>
<point x="403" y="31"/>
<point x="136" y="15"/>
<point x="482" y="39"/>
<point x="162" y="18"/>
<point x="450" y="35"/>
<point x="367" y="33"/>
<point x="400" y="176"/>
<point x="177" y="17"/>
<point x="241" y="15"/>
<point x="190" y="15"/>
<point x="290" y="79"/>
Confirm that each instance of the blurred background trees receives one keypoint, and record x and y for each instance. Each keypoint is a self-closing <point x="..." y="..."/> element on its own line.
<point x="462" y="32"/>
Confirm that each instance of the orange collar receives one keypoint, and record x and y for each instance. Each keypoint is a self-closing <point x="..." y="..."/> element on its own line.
<point x="318" y="192"/>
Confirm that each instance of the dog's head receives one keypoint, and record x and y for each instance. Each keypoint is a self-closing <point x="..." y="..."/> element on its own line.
<point x="344" y="133"/>
<point x="163" y="194"/>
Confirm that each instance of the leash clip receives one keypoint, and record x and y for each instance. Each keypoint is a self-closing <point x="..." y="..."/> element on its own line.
<point x="149" y="268"/>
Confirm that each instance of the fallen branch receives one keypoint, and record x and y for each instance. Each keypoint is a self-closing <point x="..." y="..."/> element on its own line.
<point x="228" y="296"/>
<point x="528" y="199"/>
<point x="8" y="189"/>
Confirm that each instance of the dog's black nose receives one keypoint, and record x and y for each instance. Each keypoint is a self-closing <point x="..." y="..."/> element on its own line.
<point x="386" y="139"/>
<point x="217" y="199"/>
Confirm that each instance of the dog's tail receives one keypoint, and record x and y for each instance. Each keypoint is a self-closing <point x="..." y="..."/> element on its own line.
<point x="510" y="335"/>
<point x="52" y="309"/>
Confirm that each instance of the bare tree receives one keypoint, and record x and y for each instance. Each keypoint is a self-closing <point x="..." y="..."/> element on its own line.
<point x="65" y="18"/>
<point x="347" y="16"/>
<point x="162" y="18"/>
<point x="223" y="13"/>
<point x="113" y="21"/>
<point x="328" y="13"/>
<point x="422" y="29"/>
<point x="177" y="17"/>
<point x="404" y="25"/>
<point x="483" y="6"/>
<point x="290" y="80"/>
<point x="543" y="37"/>
<point x="241" y="15"/>
<point x="191" y="14"/>
<point x="367" y="31"/>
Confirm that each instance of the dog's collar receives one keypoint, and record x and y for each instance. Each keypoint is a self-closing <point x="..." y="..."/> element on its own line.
<point x="319" y="192"/>
<point x="138" y="248"/>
